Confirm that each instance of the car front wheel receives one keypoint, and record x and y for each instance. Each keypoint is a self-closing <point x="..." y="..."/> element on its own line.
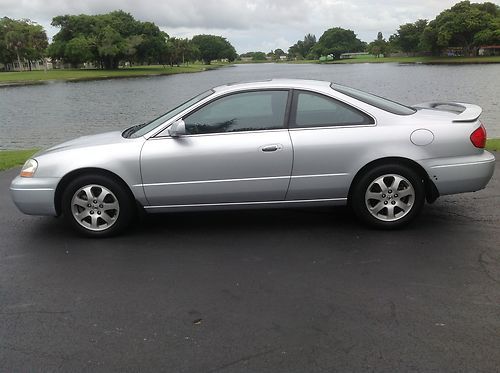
<point x="388" y="196"/>
<point x="97" y="206"/>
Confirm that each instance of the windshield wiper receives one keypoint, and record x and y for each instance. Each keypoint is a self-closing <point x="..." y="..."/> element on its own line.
<point x="131" y="130"/>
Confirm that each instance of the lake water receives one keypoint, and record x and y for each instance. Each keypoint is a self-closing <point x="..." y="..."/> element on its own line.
<point x="42" y="115"/>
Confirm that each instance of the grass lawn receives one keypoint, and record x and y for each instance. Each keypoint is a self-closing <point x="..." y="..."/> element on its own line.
<point x="425" y="60"/>
<point x="493" y="144"/>
<point x="12" y="158"/>
<point x="302" y="61"/>
<point x="27" y="77"/>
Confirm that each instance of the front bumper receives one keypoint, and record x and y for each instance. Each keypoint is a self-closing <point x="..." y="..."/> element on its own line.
<point x="460" y="174"/>
<point x="34" y="196"/>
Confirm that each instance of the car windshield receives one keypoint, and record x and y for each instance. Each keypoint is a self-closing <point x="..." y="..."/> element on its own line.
<point x="142" y="129"/>
<point x="377" y="101"/>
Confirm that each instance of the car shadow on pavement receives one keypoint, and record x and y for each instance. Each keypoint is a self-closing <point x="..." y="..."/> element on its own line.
<point x="308" y="225"/>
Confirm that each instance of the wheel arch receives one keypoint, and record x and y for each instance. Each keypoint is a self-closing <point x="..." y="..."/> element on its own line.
<point x="66" y="179"/>
<point x="431" y="192"/>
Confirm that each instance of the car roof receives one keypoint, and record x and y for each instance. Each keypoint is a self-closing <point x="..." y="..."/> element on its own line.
<point x="273" y="83"/>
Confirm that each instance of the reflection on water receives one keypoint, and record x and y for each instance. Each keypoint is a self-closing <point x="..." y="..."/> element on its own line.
<point x="43" y="115"/>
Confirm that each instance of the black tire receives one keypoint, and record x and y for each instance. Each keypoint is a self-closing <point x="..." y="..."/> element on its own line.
<point x="101" y="219"/>
<point x="376" y="212"/>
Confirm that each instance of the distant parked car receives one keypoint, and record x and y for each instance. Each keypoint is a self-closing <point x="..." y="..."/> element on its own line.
<point x="277" y="143"/>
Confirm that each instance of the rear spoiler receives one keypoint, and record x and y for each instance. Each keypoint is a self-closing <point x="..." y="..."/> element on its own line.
<point x="465" y="112"/>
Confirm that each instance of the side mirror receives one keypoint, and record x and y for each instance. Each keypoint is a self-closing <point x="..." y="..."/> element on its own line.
<point x="178" y="128"/>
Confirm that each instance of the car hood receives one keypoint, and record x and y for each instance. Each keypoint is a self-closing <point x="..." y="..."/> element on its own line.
<point x="106" y="138"/>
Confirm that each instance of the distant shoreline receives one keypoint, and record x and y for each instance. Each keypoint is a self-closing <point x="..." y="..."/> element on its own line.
<point x="9" y="79"/>
<point x="400" y="60"/>
<point x="423" y="60"/>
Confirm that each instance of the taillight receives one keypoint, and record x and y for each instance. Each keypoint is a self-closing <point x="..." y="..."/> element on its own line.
<point x="478" y="137"/>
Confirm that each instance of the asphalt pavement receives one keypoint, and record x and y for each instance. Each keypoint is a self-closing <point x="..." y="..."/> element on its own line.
<point x="302" y="290"/>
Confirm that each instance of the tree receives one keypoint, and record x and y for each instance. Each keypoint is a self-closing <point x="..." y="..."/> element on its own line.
<point x="107" y="39"/>
<point x="21" y="40"/>
<point x="277" y="54"/>
<point x="212" y="47"/>
<point x="408" y="36"/>
<point x="78" y="49"/>
<point x="379" y="46"/>
<point x="16" y="40"/>
<point x="111" y="47"/>
<point x="489" y="35"/>
<point x="259" y="56"/>
<point x="463" y="25"/>
<point x="193" y="52"/>
<point x="153" y="40"/>
<point x="180" y="51"/>
<point x="37" y="43"/>
<point x="302" y="48"/>
<point x="336" y="41"/>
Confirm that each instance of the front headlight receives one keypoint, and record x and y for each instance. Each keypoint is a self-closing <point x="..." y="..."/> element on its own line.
<point x="29" y="168"/>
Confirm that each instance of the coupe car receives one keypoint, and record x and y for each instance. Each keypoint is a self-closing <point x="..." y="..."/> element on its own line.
<point x="276" y="143"/>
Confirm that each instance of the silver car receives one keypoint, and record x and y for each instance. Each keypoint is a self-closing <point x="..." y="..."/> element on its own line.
<point x="274" y="143"/>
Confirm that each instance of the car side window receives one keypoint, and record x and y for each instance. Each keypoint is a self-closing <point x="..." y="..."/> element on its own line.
<point x="315" y="110"/>
<point x="245" y="111"/>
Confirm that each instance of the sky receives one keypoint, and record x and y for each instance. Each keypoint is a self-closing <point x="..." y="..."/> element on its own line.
<point x="250" y="25"/>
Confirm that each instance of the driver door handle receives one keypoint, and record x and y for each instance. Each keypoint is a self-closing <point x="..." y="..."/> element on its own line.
<point x="271" y="148"/>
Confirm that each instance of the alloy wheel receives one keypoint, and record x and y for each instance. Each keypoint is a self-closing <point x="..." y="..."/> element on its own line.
<point x="95" y="207"/>
<point x="390" y="197"/>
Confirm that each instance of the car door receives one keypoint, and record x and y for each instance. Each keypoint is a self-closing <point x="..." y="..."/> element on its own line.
<point x="327" y="137"/>
<point x="236" y="150"/>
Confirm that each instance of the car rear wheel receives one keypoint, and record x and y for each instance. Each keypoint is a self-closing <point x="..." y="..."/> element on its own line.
<point x="388" y="196"/>
<point x="97" y="206"/>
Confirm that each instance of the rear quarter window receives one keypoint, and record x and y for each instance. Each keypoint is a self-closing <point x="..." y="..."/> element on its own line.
<point x="316" y="110"/>
<point x="377" y="101"/>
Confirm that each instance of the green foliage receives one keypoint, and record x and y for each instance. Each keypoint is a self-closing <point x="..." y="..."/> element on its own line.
<point x="12" y="158"/>
<point x="257" y="56"/>
<point x="21" y="40"/>
<point x="106" y="39"/>
<point x="276" y="54"/>
<point x="336" y="41"/>
<point x="180" y="51"/>
<point x="279" y="52"/>
<point x="212" y="47"/>
<point x="110" y="46"/>
<point x="77" y="49"/>
<point x="493" y="144"/>
<point x="150" y="47"/>
<point x="489" y="35"/>
<point x="421" y="60"/>
<point x="379" y="47"/>
<point x="302" y="48"/>
<point x="408" y="37"/>
<point x="465" y="25"/>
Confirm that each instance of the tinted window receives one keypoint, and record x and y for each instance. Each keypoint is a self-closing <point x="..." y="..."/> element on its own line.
<point x="245" y="111"/>
<point x="314" y="110"/>
<point x="377" y="101"/>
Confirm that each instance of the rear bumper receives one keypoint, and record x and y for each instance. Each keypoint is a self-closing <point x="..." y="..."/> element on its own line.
<point x="34" y="196"/>
<point x="460" y="174"/>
